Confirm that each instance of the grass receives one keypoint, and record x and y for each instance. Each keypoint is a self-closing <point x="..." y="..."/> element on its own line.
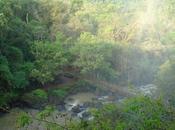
<point x="59" y="93"/>
<point x="40" y="93"/>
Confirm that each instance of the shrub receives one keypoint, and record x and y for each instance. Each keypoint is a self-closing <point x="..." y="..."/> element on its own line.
<point x="37" y="98"/>
<point x="58" y="93"/>
<point x="45" y="113"/>
<point x="23" y="119"/>
<point x="39" y="93"/>
<point x="140" y="113"/>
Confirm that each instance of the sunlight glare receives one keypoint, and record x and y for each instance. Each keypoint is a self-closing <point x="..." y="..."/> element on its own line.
<point x="147" y="17"/>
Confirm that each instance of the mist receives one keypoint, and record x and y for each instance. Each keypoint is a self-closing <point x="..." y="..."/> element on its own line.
<point x="87" y="64"/>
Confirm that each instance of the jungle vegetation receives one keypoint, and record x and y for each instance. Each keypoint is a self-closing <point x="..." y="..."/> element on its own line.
<point x="123" y="42"/>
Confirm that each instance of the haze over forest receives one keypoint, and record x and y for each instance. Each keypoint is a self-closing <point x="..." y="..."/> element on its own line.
<point x="87" y="64"/>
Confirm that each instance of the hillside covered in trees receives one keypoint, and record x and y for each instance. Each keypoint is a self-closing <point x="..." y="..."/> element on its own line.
<point x="119" y="52"/>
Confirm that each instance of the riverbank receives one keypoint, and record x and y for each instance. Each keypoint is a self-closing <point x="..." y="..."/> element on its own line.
<point x="75" y="100"/>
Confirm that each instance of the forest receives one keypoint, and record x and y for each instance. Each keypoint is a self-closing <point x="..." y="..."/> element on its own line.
<point x="87" y="64"/>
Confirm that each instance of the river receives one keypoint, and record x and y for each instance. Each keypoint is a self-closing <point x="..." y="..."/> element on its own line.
<point x="75" y="106"/>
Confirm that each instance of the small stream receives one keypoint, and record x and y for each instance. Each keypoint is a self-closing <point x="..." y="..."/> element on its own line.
<point x="79" y="104"/>
<point x="75" y="106"/>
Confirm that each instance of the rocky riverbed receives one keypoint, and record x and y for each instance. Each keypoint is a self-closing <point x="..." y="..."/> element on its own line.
<point x="75" y="106"/>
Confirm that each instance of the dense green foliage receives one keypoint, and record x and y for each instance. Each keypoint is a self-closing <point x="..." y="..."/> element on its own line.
<point x="23" y="119"/>
<point x="48" y="61"/>
<point x="139" y="113"/>
<point x="40" y="38"/>
<point x="134" y="114"/>
<point x="121" y="42"/>
<point x="165" y="80"/>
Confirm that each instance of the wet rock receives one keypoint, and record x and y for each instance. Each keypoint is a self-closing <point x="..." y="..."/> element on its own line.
<point x="86" y="114"/>
<point x="70" y="99"/>
<point x="148" y="90"/>
<point x="78" y="108"/>
<point x="61" y="107"/>
<point x="90" y="104"/>
<point x="73" y="114"/>
<point x="103" y="98"/>
<point x="95" y="104"/>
